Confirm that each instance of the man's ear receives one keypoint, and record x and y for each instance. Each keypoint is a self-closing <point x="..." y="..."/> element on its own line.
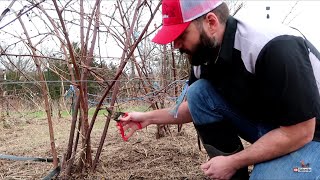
<point x="212" y="23"/>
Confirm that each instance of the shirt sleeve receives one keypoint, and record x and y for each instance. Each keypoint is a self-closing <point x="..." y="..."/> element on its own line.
<point x="286" y="82"/>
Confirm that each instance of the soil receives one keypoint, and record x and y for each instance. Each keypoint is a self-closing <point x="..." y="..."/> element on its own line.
<point x="174" y="156"/>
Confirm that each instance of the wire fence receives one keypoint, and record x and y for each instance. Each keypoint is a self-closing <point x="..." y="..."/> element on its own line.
<point x="17" y="96"/>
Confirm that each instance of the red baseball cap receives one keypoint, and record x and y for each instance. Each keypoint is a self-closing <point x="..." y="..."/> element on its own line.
<point x="177" y="16"/>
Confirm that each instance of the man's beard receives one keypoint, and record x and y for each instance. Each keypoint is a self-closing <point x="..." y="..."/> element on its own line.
<point x="207" y="50"/>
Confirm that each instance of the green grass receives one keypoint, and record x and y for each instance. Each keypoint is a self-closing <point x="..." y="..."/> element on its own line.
<point x="101" y="112"/>
<point x="90" y="113"/>
<point x="137" y="108"/>
<point x="65" y="114"/>
<point x="35" y="114"/>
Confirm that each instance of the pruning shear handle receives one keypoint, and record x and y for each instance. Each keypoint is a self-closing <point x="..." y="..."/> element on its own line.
<point x="119" y="124"/>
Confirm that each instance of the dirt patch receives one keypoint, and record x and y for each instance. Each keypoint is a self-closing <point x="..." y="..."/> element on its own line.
<point x="175" y="156"/>
<point x="144" y="157"/>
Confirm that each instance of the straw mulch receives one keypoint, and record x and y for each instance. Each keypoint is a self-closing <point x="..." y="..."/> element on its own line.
<point x="175" y="156"/>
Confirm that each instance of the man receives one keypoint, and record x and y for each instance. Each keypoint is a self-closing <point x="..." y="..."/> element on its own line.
<point x="259" y="82"/>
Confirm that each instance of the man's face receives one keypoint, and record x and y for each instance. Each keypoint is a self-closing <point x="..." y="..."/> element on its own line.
<point x="202" y="49"/>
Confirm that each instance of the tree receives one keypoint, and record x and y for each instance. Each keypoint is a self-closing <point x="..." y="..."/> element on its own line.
<point x="64" y="42"/>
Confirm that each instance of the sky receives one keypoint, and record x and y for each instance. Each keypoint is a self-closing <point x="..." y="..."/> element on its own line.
<point x="304" y="16"/>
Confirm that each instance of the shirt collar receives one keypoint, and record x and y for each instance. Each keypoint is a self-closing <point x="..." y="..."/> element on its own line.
<point x="228" y="39"/>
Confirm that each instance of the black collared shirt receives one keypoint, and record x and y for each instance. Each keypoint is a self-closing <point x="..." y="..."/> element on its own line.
<point x="267" y="73"/>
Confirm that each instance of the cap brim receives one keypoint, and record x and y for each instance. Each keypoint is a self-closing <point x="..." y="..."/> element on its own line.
<point x="168" y="34"/>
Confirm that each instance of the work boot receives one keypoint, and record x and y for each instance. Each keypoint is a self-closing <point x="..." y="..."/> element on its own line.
<point x="221" y="139"/>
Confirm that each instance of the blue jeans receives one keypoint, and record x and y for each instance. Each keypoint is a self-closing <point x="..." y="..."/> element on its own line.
<point x="207" y="106"/>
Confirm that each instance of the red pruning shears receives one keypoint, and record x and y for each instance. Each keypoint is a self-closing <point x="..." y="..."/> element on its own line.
<point x="116" y="116"/>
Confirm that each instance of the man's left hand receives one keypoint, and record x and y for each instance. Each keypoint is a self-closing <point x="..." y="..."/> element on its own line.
<point x="219" y="167"/>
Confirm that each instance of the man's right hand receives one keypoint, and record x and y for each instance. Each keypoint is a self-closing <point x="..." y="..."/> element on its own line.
<point x="130" y="121"/>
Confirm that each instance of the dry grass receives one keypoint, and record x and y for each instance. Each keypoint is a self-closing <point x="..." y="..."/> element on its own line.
<point x="175" y="156"/>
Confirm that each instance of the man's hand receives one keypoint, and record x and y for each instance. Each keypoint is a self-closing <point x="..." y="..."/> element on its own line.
<point x="129" y="122"/>
<point x="219" y="167"/>
<point x="160" y="116"/>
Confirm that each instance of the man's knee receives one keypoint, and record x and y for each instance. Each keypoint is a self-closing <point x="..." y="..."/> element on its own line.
<point x="204" y="102"/>
<point x="196" y="90"/>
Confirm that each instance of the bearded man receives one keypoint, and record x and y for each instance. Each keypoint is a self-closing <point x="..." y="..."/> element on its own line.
<point x="257" y="81"/>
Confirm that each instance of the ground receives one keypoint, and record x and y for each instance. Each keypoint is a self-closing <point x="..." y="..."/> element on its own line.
<point x="175" y="156"/>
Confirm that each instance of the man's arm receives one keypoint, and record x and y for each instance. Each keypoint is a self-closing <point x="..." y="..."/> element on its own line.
<point x="161" y="116"/>
<point x="276" y="143"/>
